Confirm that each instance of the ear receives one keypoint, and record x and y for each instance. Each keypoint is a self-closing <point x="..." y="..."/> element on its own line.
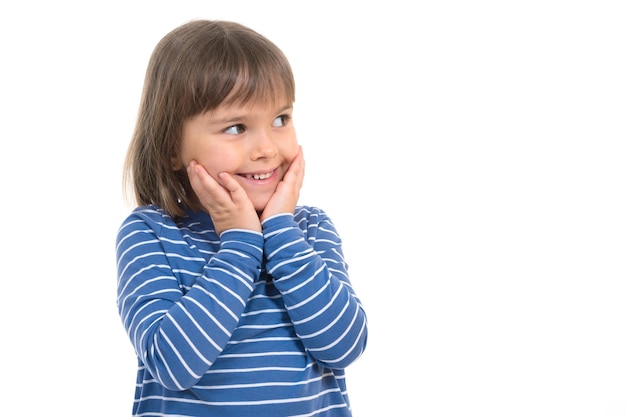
<point x="176" y="163"/>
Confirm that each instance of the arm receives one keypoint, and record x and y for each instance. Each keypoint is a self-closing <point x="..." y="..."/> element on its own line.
<point x="178" y="331"/>
<point x="313" y="279"/>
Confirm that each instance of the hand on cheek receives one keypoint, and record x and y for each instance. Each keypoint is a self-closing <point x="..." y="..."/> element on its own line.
<point x="287" y="193"/>
<point x="225" y="201"/>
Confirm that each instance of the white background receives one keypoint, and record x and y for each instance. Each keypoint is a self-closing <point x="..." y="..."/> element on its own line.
<point x="471" y="154"/>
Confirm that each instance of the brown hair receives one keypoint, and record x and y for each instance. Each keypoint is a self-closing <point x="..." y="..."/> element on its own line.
<point x="196" y="68"/>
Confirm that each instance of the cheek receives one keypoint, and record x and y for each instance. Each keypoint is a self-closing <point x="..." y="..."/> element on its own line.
<point x="216" y="162"/>
<point x="290" y="150"/>
<point x="213" y="160"/>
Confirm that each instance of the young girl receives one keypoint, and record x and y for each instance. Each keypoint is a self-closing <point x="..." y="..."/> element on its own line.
<point x="236" y="300"/>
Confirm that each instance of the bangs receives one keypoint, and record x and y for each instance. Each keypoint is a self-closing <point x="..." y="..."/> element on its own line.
<point x="202" y="65"/>
<point x="258" y="87"/>
<point x="239" y="69"/>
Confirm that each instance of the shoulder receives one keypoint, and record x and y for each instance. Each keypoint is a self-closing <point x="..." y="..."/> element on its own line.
<point x="151" y="220"/>
<point x="315" y="222"/>
<point x="147" y="217"/>
<point x="311" y="215"/>
<point x="154" y="221"/>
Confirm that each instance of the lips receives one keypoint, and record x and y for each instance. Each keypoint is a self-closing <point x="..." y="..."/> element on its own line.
<point x="259" y="175"/>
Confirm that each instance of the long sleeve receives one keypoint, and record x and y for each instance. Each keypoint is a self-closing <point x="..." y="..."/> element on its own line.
<point x="180" y="306"/>
<point x="309" y="270"/>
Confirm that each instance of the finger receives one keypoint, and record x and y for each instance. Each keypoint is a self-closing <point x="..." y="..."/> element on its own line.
<point x="295" y="173"/>
<point x="207" y="189"/>
<point x="229" y="182"/>
<point x="200" y="178"/>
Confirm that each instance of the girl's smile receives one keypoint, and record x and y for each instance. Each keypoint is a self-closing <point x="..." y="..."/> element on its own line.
<point x="260" y="177"/>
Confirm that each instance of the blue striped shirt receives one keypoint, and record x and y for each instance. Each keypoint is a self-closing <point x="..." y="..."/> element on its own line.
<point x="249" y="324"/>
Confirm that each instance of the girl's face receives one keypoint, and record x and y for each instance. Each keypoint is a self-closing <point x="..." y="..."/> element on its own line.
<point x="254" y="143"/>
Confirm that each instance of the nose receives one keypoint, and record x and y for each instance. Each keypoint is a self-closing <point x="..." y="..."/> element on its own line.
<point x="263" y="145"/>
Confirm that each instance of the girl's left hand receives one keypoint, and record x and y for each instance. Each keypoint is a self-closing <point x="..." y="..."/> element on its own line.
<point x="287" y="193"/>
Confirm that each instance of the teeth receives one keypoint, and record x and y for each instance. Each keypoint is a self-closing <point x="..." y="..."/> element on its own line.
<point x="259" y="176"/>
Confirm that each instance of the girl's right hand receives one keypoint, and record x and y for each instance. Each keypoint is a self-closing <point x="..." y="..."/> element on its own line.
<point x="225" y="201"/>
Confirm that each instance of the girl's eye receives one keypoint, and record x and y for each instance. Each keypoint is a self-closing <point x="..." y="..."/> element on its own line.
<point x="235" y="130"/>
<point x="281" y="120"/>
